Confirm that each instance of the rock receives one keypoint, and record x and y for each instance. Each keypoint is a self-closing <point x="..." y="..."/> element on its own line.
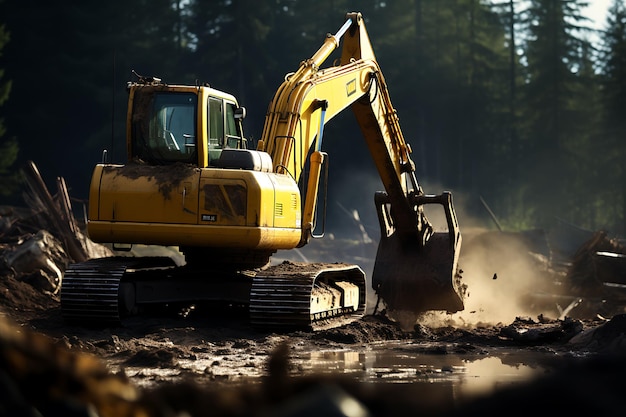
<point x="41" y="258"/>
<point x="607" y="338"/>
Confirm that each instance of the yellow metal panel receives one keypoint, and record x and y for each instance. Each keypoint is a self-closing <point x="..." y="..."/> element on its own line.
<point x="223" y="201"/>
<point x="141" y="193"/>
<point x="287" y="204"/>
<point x="265" y="193"/>
<point x="195" y="235"/>
<point x="202" y="128"/>
<point x="201" y="207"/>
<point x="94" y="193"/>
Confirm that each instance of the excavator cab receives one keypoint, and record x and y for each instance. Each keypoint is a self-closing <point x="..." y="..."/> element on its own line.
<point x="163" y="124"/>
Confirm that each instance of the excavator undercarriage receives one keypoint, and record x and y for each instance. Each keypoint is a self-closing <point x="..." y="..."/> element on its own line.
<point x="290" y="295"/>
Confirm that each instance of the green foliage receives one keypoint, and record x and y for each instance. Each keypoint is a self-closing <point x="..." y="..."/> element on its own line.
<point x="9" y="179"/>
<point x="507" y="100"/>
<point x="610" y="141"/>
<point x="8" y="155"/>
<point x="559" y="96"/>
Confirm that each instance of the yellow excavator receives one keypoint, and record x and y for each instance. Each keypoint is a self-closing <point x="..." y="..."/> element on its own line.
<point x="191" y="181"/>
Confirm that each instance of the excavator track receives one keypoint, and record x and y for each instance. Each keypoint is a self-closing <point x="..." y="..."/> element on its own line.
<point x="307" y="296"/>
<point x="288" y="296"/>
<point x="90" y="291"/>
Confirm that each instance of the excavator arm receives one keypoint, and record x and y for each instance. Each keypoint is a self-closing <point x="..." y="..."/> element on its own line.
<point x="416" y="267"/>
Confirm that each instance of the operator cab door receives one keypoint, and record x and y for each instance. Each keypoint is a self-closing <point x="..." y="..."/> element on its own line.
<point x="222" y="199"/>
<point x="223" y="130"/>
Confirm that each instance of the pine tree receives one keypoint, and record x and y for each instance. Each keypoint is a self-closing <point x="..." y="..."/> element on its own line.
<point x="9" y="178"/>
<point x="611" y="144"/>
<point x="555" y="117"/>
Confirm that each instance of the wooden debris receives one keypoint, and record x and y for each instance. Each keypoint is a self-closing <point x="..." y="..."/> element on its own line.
<point x="60" y="215"/>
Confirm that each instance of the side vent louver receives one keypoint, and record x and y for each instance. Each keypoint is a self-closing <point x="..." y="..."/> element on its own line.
<point x="278" y="209"/>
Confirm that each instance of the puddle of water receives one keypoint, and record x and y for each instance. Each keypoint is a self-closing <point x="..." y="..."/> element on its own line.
<point x="453" y="376"/>
<point x="466" y="375"/>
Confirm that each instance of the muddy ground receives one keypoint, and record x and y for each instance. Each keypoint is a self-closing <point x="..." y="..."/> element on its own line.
<point x="206" y="360"/>
<point x="247" y="371"/>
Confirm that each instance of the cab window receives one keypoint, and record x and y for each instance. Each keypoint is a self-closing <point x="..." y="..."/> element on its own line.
<point x="163" y="127"/>
<point x="216" y="123"/>
<point x="233" y="135"/>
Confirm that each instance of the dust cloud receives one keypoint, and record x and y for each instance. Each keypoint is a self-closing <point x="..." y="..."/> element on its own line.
<point x="500" y="271"/>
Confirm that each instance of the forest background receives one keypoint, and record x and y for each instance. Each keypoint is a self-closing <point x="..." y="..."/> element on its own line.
<point x="515" y="104"/>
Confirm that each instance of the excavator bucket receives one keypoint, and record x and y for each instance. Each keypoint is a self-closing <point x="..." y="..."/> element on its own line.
<point x="416" y="275"/>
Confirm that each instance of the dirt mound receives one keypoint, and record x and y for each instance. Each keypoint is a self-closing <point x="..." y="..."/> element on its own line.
<point x="22" y="296"/>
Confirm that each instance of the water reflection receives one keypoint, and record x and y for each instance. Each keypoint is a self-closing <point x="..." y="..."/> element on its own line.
<point x="462" y="375"/>
<point x="483" y="376"/>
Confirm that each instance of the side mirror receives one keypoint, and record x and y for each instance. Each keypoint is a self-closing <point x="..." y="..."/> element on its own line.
<point x="240" y="113"/>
